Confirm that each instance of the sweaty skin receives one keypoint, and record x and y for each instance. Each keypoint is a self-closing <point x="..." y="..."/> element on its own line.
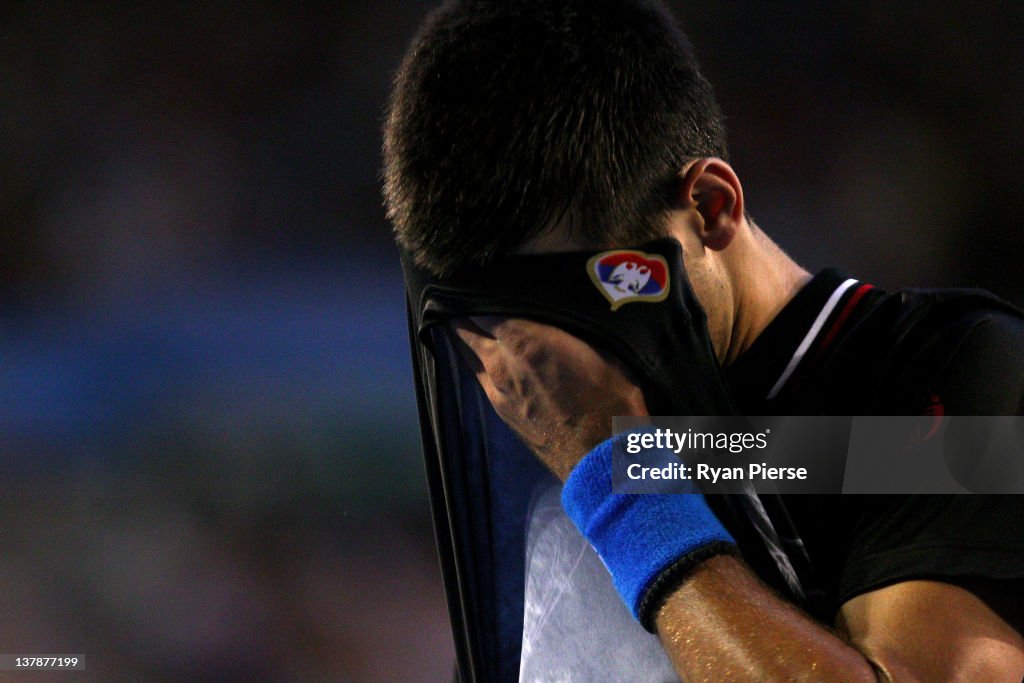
<point x="722" y="624"/>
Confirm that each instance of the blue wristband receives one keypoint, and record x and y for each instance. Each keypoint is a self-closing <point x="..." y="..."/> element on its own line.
<point x="640" y="536"/>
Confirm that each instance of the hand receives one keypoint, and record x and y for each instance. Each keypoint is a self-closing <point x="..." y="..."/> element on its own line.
<point x="556" y="392"/>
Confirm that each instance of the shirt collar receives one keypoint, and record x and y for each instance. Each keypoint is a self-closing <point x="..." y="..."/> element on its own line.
<point x="778" y="351"/>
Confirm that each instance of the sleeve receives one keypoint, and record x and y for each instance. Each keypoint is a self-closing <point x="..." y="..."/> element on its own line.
<point x="976" y="541"/>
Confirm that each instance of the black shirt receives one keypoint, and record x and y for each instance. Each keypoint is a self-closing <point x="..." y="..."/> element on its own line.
<point x="842" y="347"/>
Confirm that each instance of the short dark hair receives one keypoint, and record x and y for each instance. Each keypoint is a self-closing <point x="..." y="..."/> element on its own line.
<point x="507" y="116"/>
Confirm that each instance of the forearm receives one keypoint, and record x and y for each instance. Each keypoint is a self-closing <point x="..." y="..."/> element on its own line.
<point x="723" y="624"/>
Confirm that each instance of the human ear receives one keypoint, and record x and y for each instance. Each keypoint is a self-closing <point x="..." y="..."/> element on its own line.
<point x="711" y="187"/>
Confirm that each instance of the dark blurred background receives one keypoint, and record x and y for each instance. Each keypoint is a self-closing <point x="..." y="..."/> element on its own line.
<point x="209" y="461"/>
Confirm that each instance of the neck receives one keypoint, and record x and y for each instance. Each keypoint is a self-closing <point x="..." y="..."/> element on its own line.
<point x="767" y="280"/>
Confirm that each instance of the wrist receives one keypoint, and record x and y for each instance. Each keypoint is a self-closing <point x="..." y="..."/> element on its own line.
<point x="647" y="541"/>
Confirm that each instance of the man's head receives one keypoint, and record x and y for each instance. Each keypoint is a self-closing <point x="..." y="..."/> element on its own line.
<point x="511" y="117"/>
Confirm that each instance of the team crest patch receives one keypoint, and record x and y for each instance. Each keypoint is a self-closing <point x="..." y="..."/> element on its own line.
<point x="624" y="276"/>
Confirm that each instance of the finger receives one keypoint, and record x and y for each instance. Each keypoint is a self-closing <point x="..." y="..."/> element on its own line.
<point x="489" y="324"/>
<point x="475" y="347"/>
<point x="500" y="327"/>
<point x="519" y="332"/>
<point x="488" y="359"/>
<point x="517" y="339"/>
<point x="480" y="341"/>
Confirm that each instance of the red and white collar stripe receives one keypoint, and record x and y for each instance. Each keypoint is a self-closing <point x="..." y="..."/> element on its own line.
<point x="811" y="335"/>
